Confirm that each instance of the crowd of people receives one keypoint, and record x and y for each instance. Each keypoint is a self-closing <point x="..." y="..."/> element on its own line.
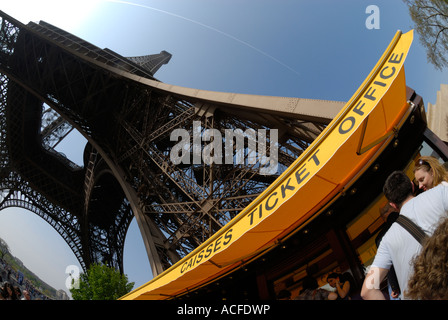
<point x="10" y="292"/>
<point x="13" y="286"/>
<point x="419" y="265"/>
<point x="413" y="268"/>
<point x="342" y="289"/>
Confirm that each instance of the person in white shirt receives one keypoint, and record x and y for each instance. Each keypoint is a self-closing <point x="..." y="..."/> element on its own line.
<point x="398" y="247"/>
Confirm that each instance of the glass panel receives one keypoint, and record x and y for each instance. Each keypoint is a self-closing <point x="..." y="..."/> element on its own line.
<point x="292" y="281"/>
<point x="426" y="150"/>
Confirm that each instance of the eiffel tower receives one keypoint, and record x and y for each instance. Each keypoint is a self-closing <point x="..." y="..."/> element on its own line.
<point x="53" y="82"/>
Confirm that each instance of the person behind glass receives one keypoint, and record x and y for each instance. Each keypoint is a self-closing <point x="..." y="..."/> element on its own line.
<point x="428" y="173"/>
<point x="311" y="291"/>
<point x="341" y="285"/>
<point x="429" y="280"/>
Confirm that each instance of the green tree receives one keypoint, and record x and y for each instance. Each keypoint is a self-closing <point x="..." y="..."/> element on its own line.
<point x="4" y="248"/>
<point x="431" y="24"/>
<point x="101" y="282"/>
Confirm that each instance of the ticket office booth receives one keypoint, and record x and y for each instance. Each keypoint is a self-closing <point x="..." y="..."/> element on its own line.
<point x="340" y="237"/>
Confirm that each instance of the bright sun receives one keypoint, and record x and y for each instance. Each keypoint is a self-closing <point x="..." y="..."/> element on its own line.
<point x="64" y="14"/>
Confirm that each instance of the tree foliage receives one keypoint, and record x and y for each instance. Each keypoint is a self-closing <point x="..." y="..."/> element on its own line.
<point x="101" y="282"/>
<point x="431" y="24"/>
<point x="4" y="248"/>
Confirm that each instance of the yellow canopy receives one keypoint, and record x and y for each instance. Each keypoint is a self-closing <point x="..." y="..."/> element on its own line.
<point x="327" y="167"/>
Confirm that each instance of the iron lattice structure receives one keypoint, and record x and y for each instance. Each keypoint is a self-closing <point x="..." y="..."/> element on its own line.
<point x="52" y="82"/>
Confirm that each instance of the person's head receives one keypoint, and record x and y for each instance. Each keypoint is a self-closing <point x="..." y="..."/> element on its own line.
<point x="26" y="295"/>
<point x="428" y="172"/>
<point x="429" y="280"/>
<point x="397" y="188"/>
<point x="9" y="290"/>
<point x="332" y="279"/>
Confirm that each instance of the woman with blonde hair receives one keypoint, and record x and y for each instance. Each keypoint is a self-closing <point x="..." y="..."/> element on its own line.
<point x="428" y="173"/>
<point x="429" y="280"/>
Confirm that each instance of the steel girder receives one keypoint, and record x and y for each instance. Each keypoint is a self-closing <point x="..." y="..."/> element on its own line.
<point x="128" y="168"/>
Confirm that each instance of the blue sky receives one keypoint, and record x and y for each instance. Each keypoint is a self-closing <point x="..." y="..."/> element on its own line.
<point x="318" y="49"/>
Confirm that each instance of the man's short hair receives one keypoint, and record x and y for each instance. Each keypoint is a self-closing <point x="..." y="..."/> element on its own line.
<point x="397" y="187"/>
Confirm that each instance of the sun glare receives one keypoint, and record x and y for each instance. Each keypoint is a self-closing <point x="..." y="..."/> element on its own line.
<point x="64" y="14"/>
